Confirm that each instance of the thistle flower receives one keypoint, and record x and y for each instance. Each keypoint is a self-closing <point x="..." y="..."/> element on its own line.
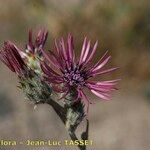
<point x="75" y="73"/>
<point x="32" y="52"/>
<point x="10" y="56"/>
<point x="39" y="43"/>
<point x="33" y="87"/>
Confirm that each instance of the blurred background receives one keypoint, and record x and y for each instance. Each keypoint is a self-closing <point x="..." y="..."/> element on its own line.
<point x="123" y="28"/>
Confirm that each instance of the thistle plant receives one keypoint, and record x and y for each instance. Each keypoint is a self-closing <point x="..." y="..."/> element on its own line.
<point x="48" y="76"/>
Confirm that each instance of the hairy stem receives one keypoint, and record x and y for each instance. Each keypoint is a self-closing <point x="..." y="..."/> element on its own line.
<point x="84" y="136"/>
<point x="61" y="112"/>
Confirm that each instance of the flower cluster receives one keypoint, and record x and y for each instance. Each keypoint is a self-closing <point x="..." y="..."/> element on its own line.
<point x="60" y="68"/>
<point x="26" y="64"/>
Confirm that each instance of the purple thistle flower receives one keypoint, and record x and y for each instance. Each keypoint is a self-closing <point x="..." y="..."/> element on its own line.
<point x="10" y="56"/>
<point x="35" y="47"/>
<point x="77" y="73"/>
<point x="32" y="53"/>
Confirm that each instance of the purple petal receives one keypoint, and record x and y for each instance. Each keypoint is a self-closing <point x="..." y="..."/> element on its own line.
<point x="30" y="44"/>
<point x="70" y="48"/>
<point x="101" y="95"/>
<point x="47" y="70"/>
<point x="14" y="56"/>
<point x="83" y="50"/>
<point x="105" y="71"/>
<point x="41" y="38"/>
<point x="101" y="64"/>
<point x="92" y="52"/>
<point x="86" y="52"/>
<point x="6" y="62"/>
<point x="110" y="82"/>
<point x="59" y="53"/>
<point x="101" y="60"/>
<point x="63" y="48"/>
<point x="11" y="57"/>
<point x="100" y="88"/>
<point x="51" y="58"/>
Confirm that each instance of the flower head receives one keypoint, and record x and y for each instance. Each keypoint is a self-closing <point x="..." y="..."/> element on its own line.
<point x="30" y="81"/>
<point x="10" y="56"/>
<point x="77" y="74"/>
<point x="35" y="47"/>
<point x="32" y="52"/>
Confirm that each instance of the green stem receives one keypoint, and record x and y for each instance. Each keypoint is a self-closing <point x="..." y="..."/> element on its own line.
<point x="84" y="136"/>
<point x="61" y="112"/>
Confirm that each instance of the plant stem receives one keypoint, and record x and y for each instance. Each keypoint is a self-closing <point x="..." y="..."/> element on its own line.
<point x="61" y="112"/>
<point x="84" y="136"/>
